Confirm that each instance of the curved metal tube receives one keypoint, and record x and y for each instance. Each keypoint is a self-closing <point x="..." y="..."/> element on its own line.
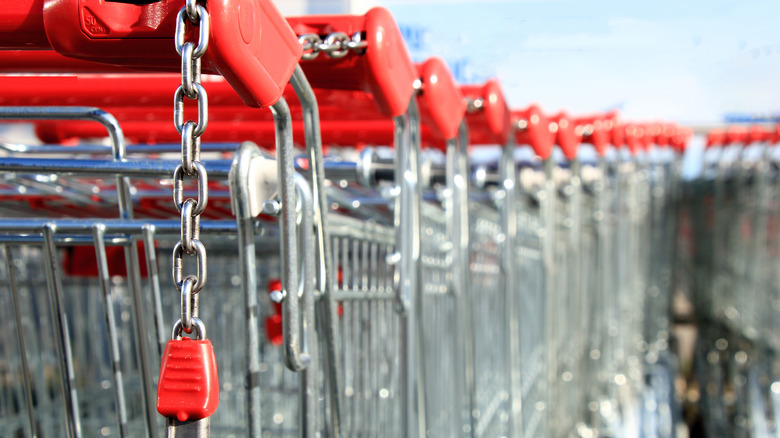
<point x="289" y="243"/>
<point x="311" y="123"/>
<point x="296" y="355"/>
<point x="407" y="272"/>
<point x="240" y="200"/>
<point x="304" y="352"/>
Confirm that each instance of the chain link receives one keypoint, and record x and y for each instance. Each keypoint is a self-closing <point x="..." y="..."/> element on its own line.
<point x="335" y="45"/>
<point x="191" y="131"/>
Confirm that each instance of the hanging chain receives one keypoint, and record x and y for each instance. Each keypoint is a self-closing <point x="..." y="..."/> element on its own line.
<point x="190" y="166"/>
<point x="336" y="45"/>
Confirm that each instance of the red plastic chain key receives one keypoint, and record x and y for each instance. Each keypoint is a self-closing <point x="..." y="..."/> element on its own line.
<point x="188" y="388"/>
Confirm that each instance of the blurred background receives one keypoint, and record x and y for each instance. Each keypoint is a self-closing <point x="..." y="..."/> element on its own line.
<point x="697" y="62"/>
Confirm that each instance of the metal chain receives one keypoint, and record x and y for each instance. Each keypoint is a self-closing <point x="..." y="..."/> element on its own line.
<point x="190" y="166"/>
<point x="335" y="45"/>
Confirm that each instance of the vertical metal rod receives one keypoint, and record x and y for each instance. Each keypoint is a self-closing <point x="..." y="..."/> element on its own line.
<point x="457" y="181"/>
<point x="26" y="378"/>
<point x="308" y="376"/>
<point x="239" y="194"/>
<point x="407" y="226"/>
<point x="575" y="291"/>
<point x="125" y="203"/>
<point x="311" y="123"/>
<point x="550" y="224"/>
<point x="98" y="233"/>
<point x="288" y="233"/>
<point x="415" y="140"/>
<point x="511" y="290"/>
<point x="61" y="334"/>
<point x="153" y="274"/>
<point x="605" y="285"/>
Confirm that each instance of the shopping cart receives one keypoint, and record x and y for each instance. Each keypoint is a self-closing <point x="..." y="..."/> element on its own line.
<point x="97" y="402"/>
<point x="259" y="93"/>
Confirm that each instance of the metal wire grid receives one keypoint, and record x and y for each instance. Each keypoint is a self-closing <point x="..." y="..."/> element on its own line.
<point x="87" y="299"/>
<point x="442" y="354"/>
<point x="530" y="266"/>
<point x="369" y="324"/>
<point x="369" y="328"/>
<point x="491" y="360"/>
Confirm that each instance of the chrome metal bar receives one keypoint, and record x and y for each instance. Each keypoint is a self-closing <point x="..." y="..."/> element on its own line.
<point x="287" y="228"/>
<point x="239" y="193"/>
<point x="295" y="340"/>
<point x="548" y="250"/>
<point x="306" y="354"/>
<point x="61" y="333"/>
<point x="144" y="168"/>
<point x="311" y="123"/>
<point x="26" y="378"/>
<point x="511" y="290"/>
<point x="457" y="182"/>
<point x="148" y="393"/>
<point x="113" y="226"/>
<point x="98" y="233"/>
<point x="415" y="141"/>
<point x="128" y="168"/>
<point x="99" y="149"/>
<point x="148" y="231"/>
<point x="407" y="226"/>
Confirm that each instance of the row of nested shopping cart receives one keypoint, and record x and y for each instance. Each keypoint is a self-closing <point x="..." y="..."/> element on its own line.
<point x="389" y="253"/>
<point x="729" y="251"/>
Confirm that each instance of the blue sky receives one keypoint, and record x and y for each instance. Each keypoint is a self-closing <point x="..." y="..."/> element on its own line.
<point x="689" y="61"/>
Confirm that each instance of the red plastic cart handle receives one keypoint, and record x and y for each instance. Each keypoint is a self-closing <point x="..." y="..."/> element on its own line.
<point x="774" y="135"/>
<point x="736" y="135"/>
<point x="490" y="122"/>
<point x="652" y="131"/>
<point x="251" y="44"/>
<point x="716" y="137"/>
<point x="664" y="138"/>
<point x="595" y="131"/>
<point x="385" y="69"/>
<point x="757" y="134"/>
<point x="567" y="136"/>
<point x="632" y="135"/>
<point x="442" y="104"/>
<point x="681" y="138"/>
<point x="618" y="135"/>
<point x="533" y="128"/>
